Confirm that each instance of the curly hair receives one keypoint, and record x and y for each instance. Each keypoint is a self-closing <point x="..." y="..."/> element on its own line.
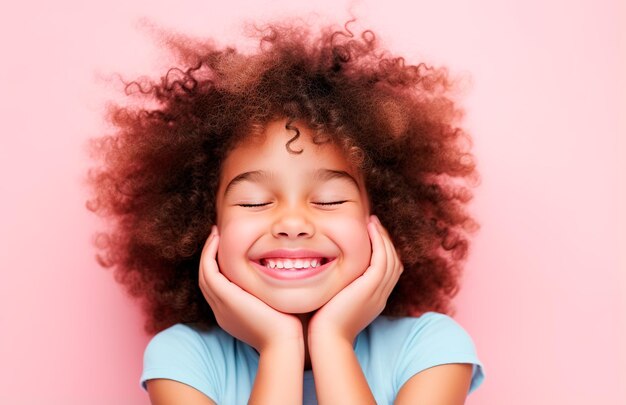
<point x="158" y="171"/>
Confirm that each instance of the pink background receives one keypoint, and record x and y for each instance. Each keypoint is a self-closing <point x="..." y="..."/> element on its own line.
<point x="544" y="291"/>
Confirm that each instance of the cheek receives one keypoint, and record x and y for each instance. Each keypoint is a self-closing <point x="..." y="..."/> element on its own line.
<point x="236" y="237"/>
<point x="355" y="242"/>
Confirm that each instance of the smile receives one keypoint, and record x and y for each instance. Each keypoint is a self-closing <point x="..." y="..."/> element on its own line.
<point x="293" y="263"/>
<point x="290" y="267"/>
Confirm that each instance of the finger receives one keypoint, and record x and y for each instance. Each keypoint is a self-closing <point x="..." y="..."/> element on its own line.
<point x="209" y="255"/>
<point x="378" y="262"/>
<point x="382" y="229"/>
<point x="387" y="244"/>
<point x="207" y="258"/>
<point x="394" y="265"/>
<point x="213" y="233"/>
<point x="208" y="265"/>
<point x="389" y="269"/>
<point x="393" y="252"/>
<point x="220" y="288"/>
<point x="395" y="270"/>
<point x="372" y="277"/>
<point x="386" y="236"/>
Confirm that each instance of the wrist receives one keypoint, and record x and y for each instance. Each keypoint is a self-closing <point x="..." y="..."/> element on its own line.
<point x="284" y="358"/>
<point x="289" y="348"/>
<point x="325" y="340"/>
<point x="288" y="335"/>
<point x="323" y="332"/>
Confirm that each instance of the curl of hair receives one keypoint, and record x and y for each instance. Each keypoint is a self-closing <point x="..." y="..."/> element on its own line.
<point x="158" y="172"/>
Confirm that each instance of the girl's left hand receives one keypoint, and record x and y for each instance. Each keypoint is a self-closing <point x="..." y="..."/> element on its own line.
<point x="359" y="303"/>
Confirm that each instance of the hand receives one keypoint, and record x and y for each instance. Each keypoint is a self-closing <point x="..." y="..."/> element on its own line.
<point x="238" y="312"/>
<point x="360" y="302"/>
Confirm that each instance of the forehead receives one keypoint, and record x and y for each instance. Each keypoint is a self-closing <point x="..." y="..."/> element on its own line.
<point x="269" y="151"/>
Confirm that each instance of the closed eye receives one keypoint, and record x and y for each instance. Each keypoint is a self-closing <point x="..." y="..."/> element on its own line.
<point x="330" y="203"/>
<point x="254" y="205"/>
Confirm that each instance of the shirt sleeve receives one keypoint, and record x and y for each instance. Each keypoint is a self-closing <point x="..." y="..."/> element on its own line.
<point x="438" y="339"/>
<point x="180" y="354"/>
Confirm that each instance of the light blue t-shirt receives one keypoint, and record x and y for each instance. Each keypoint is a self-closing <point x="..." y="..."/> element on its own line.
<point x="389" y="350"/>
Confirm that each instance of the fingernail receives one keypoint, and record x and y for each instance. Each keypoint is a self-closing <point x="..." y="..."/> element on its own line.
<point x="375" y="219"/>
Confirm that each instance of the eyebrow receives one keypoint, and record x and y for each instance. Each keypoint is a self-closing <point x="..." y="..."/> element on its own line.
<point x="327" y="174"/>
<point x="257" y="176"/>
<point x="260" y="176"/>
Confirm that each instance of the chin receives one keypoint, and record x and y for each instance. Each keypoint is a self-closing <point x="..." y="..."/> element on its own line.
<point x="290" y="306"/>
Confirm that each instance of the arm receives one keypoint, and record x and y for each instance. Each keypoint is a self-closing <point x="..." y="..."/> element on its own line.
<point x="279" y="376"/>
<point x="276" y="336"/>
<point x="334" y="327"/>
<point x="338" y="374"/>
<point x="447" y="384"/>
<point x="278" y="380"/>
<point x="170" y="392"/>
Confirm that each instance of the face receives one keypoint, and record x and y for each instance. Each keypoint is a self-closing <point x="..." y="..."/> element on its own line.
<point x="292" y="226"/>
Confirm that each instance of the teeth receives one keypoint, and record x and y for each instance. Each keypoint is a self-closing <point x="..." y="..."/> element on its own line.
<point x="291" y="264"/>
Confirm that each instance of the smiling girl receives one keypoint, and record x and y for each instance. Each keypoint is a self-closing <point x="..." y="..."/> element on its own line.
<point x="248" y="211"/>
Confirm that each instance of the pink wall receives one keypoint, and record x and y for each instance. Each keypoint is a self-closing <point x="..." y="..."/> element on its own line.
<point x="542" y="298"/>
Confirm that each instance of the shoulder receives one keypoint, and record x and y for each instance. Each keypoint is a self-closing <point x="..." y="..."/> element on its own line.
<point x="185" y="354"/>
<point x="182" y="343"/>
<point x="419" y="343"/>
<point x="184" y="338"/>
<point x="430" y="330"/>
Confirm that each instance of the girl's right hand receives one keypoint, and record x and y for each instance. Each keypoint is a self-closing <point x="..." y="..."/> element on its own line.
<point x="241" y="314"/>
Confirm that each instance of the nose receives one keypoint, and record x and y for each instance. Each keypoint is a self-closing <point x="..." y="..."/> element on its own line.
<point x="293" y="225"/>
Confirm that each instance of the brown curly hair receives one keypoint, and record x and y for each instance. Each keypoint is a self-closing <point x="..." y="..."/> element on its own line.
<point x="159" y="170"/>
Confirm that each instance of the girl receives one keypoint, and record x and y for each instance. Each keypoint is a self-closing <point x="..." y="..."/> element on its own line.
<point x="290" y="159"/>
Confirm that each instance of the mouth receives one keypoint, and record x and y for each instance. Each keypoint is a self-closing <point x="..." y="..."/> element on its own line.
<point x="294" y="264"/>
